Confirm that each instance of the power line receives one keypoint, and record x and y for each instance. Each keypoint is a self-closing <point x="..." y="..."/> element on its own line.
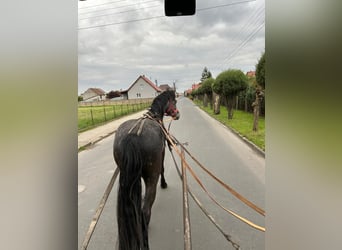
<point x="224" y="5"/>
<point x="243" y="43"/>
<point x="100" y="4"/>
<point x="255" y="17"/>
<point x="121" y="12"/>
<point x="259" y="13"/>
<point x="118" y="7"/>
<point x="130" y="21"/>
<point x="156" y="17"/>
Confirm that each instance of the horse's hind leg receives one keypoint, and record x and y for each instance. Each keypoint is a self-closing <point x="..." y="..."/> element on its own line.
<point x="163" y="183"/>
<point x="150" y="196"/>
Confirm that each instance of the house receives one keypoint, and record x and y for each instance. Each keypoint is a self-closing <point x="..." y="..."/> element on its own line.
<point x="250" y="74"/>
<point x="165" y="87"/>
<point x="195" y="86"/>
<point x="141" y="88"/>
<point x="94" y="94"/>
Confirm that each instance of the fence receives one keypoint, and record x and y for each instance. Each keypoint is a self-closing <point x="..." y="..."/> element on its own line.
<point x="116" y="102"/>
<point x="95" y="113"/>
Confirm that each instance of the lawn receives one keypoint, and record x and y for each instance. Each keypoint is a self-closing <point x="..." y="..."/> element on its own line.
<point x="89" y="117"/>
<point x="242" y="123"/>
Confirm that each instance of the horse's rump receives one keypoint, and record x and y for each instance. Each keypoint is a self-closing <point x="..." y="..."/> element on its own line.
<point x="137" y="156"/>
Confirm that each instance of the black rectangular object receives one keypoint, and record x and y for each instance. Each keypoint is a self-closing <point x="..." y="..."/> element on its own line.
<point x="180" y="7"/>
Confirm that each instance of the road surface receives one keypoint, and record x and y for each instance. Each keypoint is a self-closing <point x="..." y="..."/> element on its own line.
<point x="226" y="155"/>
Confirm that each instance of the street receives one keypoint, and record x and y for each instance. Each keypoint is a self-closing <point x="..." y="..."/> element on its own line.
<point x="217" y="148"/>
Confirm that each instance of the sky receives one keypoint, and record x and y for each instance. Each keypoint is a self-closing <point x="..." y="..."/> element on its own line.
<point x="121" y="39"/>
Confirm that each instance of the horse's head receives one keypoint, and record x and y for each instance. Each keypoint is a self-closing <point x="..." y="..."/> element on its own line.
<point x="171" y="109"/>
<point x="165" y="104"/>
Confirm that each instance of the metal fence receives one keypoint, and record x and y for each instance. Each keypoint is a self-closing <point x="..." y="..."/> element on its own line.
<point x="116" y="102"/>
<point x="95" y="113"/>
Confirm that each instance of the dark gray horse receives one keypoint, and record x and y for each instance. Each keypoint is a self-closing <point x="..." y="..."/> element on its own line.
<point x="139" y="149"/>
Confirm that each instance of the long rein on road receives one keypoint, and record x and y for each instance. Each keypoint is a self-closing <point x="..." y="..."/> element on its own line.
<point x="172" y="141"/>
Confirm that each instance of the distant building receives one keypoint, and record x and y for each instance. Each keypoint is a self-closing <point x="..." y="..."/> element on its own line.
<point x="165" y="87"/>
<point x="193" y="87"/>
<point x="250" y="74"/>
<point x="141" y="88"/>
<point x="94" y="94"/>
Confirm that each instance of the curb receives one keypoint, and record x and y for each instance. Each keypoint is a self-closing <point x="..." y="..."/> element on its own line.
<point x="89" y="144"/>
<point x="113" y="125"/>
<point x="248" y="142"/>
<point x="254" y="147"/>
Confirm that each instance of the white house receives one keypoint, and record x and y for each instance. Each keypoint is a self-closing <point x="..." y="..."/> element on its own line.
<point x="141" y="88"/>
<point x="93" y="94"/>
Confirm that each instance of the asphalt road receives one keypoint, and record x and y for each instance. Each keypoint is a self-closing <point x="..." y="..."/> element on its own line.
<point x="226" y="155"/>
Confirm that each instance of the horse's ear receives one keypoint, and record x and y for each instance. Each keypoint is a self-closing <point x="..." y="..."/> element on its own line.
<point x="172" y="93"/>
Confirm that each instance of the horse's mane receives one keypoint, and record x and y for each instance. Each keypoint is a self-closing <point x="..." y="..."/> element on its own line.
<point x="159" y="103"/>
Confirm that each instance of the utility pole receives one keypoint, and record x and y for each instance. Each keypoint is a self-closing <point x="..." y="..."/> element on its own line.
<point x="174" y="85"/>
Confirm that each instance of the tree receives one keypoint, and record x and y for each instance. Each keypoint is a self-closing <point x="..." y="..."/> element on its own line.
<point x="80" y="98"/>
<point x="206" y="90"/>
<point x="112" y="94"/>
<point x="217" y="90"/>
<point x="259" y="90"/>
<point x="194" y="94"/>
<point x="228" y="84"/>
<point x="260" y="71"/>
<point x="247" y="97"/>
<point x="205" y="74"/>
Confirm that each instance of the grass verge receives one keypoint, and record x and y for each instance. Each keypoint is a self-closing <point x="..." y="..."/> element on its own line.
<point x="90" y="117"/>
<point x="242" y="123"/>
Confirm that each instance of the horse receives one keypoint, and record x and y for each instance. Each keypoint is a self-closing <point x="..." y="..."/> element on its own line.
<point x="139" y="149"/>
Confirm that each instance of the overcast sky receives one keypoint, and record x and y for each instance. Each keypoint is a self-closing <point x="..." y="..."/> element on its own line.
<point x="122" y="39"/>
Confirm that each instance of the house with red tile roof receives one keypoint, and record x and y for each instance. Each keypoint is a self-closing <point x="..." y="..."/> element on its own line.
<point x="94" y="94"/>
<point x="250" y="74"/>
<point x="193" y="87"/>
<point x="142" y="87"/>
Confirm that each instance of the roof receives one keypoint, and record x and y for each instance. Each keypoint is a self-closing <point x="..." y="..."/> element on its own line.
<point x="97" y="91"/>
<point x="250" y="73"/>
<point x="195" y="86"/>
<point x="164" y="87"/>
<point x="146" y="80"/>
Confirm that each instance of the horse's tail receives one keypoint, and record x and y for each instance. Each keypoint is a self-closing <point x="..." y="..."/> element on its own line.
<point x="132" y="228"/>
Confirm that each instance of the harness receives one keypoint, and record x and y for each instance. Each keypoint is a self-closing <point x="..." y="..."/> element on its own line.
<point x="152" y="116"/>
<point x="141" y="121"/>
<point x="172" y="142"/>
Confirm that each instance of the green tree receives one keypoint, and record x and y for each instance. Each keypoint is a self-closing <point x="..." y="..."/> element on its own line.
<point x="206" y="90"/>
<point x="260" y="71"/>
<point x="194" y="94"/>
<point x="113" y="94"/>
<point x="247" y="96"/>
<point x="217" y="91"/>
<point x="205" y="74"/>
<point x="228" y="84"/>
<point x="80" y="98"/>
<point x="259" y="90"/>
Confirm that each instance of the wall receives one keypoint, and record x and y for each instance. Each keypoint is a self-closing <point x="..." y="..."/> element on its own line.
<point x="143" y="88"/>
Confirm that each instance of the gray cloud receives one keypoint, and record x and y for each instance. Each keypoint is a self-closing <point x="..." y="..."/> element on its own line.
<point x="166" y="48"/>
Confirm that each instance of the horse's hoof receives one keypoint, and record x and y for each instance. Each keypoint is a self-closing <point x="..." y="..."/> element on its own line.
<point x="163" y="185"/>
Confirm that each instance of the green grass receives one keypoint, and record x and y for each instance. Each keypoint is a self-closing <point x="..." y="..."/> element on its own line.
<point x="90" y="117"/>
<point x="242" y="123"/>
